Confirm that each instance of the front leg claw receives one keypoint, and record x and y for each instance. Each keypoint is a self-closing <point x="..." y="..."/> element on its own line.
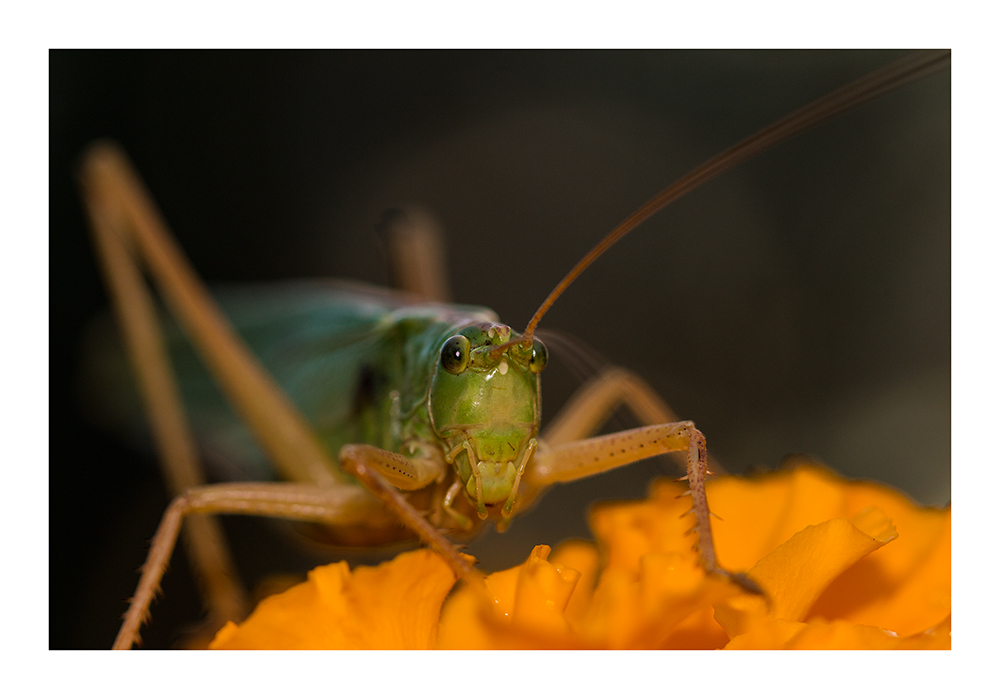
<point x="741" y="579"/>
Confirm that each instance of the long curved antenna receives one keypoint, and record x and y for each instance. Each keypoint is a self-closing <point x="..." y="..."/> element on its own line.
<point x="874" y="84"/>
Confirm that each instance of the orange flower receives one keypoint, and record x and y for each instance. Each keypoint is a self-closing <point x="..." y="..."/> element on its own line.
<point x="393" y="606"/>
<point x="844" y="565"/>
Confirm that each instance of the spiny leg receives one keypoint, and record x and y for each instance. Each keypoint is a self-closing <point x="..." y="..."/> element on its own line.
<point x="571" y="461"/>
<point x="127" y="227"/>
<point x="597" y="400"/>
<point x="379" y="471"/>
<point x="224" y="595"/>
<point x="113" y="187"/>
<point x="569" y="457"/>
<point x="343" y="505"/>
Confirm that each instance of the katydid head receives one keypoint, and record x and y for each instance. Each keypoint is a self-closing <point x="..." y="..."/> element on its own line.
<point x="485" y="406"/>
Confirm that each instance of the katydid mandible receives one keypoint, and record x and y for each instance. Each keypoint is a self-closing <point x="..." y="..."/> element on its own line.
<point x="430" y="424"/>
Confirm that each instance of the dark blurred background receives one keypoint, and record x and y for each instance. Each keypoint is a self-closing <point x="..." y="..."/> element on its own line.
<point x="799" y="304"/>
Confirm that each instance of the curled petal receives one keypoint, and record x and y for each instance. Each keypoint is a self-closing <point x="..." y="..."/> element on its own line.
<point x="797" y="572"/>
<point x="907" y="585"/>
<point x="395" y="605"/>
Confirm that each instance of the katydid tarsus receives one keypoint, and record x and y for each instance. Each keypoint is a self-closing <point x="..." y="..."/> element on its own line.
<point x="476" y="498"/>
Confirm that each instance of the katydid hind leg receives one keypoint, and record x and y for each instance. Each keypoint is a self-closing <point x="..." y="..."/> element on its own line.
<point x="204" y="540"/>
<point x="277" y="425"/>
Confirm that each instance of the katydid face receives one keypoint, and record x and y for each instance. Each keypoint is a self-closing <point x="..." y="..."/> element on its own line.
<point x="485" y="407"/>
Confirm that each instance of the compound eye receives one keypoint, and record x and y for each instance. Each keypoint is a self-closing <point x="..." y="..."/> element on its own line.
<point x="455" y="354"/>
<point x="539" y="356"/>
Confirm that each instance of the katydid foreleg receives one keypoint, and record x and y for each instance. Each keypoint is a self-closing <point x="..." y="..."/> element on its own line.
<point x="340" y="506"/>
<point x="369" y="465"/>
<point x="570" y="456"/>
<point x="587" y="457"/>
<point x="597" y="400"/>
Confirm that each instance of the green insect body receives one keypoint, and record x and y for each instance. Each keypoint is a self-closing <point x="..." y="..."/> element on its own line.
<point x="367" y="366"/>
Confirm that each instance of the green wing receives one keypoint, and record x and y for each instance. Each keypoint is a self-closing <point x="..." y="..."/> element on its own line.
<point x="336" y="349"/>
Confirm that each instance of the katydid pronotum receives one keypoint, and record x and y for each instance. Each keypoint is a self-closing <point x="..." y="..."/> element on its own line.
<point x="486" y="297"/>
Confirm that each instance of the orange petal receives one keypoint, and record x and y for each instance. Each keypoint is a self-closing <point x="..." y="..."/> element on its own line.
<point x="797" y="572"/>
<point x="395" y="605"/>
<point x="819" y="634"/>
<point x="465" y="621"/>
<point x="582" y="557"/>
<point x="767" y="634"/>
<point x="527" y="609"/>
<point x="626" y="531"/>
<point x="647" y="609"/>
<point x="760" y="513"/>
<point x="938" y="637"/>
<point x="907" y="586"/>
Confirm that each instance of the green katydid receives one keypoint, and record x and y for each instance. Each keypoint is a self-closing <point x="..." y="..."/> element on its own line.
<point x="502" y="500"/>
